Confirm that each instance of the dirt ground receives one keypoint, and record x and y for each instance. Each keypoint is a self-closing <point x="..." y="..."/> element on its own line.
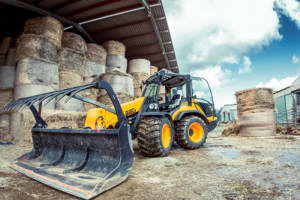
<point x="225" y="168"/>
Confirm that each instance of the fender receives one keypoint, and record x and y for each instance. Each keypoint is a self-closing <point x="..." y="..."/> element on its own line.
<point x="191" y="112"/>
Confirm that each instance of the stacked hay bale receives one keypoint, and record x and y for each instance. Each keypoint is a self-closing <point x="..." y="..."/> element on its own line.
<point x="256" y="112"/>
<point x="116" y="60"/>
<point x="7" y="79"/>
<point x="72" y="61"/>
<point x="95" y="66"/>
<point x="37" y="63"/>
<point x="37" y="52"/>
<point x="122" y="85"/>
<point x="140" y="70"/>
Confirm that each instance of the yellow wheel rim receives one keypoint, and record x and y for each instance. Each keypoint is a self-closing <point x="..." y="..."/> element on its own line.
<point x="166" y="136"/>
<point x="196" y="132"/>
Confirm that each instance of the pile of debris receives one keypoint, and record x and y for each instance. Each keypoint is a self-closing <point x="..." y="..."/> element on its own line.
<point x="287" y="130"/>
<point x="232" y="129"/>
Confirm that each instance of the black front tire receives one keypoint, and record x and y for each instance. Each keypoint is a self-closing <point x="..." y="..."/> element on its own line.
<point x="182" y="135"/>
<point x="149" y="136"/>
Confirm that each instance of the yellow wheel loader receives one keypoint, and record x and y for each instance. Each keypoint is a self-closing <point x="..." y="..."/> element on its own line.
<point x="90" y="160"/>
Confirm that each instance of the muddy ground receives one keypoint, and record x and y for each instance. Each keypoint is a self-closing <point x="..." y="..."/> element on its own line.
<point x="226" y="168"/>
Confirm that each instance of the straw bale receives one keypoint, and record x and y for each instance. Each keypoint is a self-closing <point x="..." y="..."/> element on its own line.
<point x="232" y="129"/>
<point x="4" y="127"/>
<point x="7" y="77"/>
<point x="71" y="60"/>
<point x="116" y="63"/>
<point x="47" y="27"/>
<point x="153" y="69"/>
<point x="37" y="72"/>
<point x="74" y="41"/>
<point x="11" y="57"/>
<point x="122" y="97"/>
<point x="6" y="96"/>
<point x="139" y="66"/>
<point x="114" y="47"/>
<point x="92" y="71"/>
<point x="69" y="79"/>
<point x="35" y="46"/>
<point x="5" y="44"/>
<point x="96" y="53"/>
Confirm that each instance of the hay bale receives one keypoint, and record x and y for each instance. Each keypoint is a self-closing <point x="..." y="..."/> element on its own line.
<point x="6" y="96"/>
<point x="5" y="127"/>
<point x="114" y="47"/>
<point x="116" y="63"/>
<point x="5" y="44"/>
<point x="74" y="41"/>
<point x="96" y="53"/>
<point x="153" y="69"/>
<point x="36" y="72"/>
<point x="139" y="66"/>
<point x="138" y="82"/>
<point x="122" y="97"/>
<point x="255" y="100"/>
<point x="69" y="79"/>
<point x="11" y="57"/>
<point x="7" y="77"/>
<point x="120" y="82"/>
<point x="71" y="60"/>
<point x="92" y="71"/>
<point x="92" y="94"/>
<point x="48" y="27"/>
<point x="36" y="47"/>
<point x="22" y="123"/>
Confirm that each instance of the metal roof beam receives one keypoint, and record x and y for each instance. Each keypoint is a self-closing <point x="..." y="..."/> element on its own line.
<point x="40" y="11"/>
<point x="156" y="29"/>
<point x="113" y="14"/>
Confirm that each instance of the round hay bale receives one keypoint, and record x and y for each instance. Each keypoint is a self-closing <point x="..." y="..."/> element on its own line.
<point x="122" y="97"/>
<point x="37" y="72"/>
<point x="91" y="94"/>
<point x="92" y="71"/>
<point x="6" y="96"/>
<point x="5" y="44"/>
<point x="114" y="47"/>
<point x="11" y="57"/>
<point x="120" y="82"/>
<point x="139" y="77"/>
<point x="37" y="47"/>
<point x="255" y="100"/>
<point x="7" y="77"/>
<point x="153" y="69"/>
<point x="71" y="60"/>
<point x="74" y="41"/>
<point x="257" y="124"/>
<point x="96" y="53"/>
<point x="139" y="66"/>
<point x="47" y="27"/>
<point x="67" y="104"/>
<point x="116" y="63"/>
<point x="69" y="79"/>
<point x="4" y="127"/>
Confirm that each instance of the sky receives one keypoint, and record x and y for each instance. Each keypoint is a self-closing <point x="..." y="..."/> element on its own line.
<point x="236" y="44"/>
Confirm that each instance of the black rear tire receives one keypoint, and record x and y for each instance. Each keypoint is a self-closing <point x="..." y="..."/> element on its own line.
<point x="150" y="136"/>
<point x="183" y="132"/>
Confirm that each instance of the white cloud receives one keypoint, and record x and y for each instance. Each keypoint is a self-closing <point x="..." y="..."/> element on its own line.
<point x="215" y="75"/>
<point x="213" y="32"/>
<point x="278" y="84"/>
<point x="295" y="59"/>
<point x="290" y="8"/>
<point x="246" y="65"/>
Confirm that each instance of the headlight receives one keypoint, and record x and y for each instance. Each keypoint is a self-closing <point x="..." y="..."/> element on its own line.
<point x="153" y="106"/>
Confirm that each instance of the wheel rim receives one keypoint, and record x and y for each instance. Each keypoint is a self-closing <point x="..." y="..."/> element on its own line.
<point x="196" y="132"/>
<point x="166" y="136"/>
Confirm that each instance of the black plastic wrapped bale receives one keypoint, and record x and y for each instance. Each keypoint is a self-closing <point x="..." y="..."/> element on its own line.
<point x="82" y="162"/>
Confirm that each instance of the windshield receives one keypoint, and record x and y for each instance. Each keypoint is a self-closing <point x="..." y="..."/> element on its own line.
<point x="201" y="90"/>
<point x="150" y="90"/>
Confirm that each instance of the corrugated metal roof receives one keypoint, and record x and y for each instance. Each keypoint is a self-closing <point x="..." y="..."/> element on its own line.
<point x="125" y="20"/>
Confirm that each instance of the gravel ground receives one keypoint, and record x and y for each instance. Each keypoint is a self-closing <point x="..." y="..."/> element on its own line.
<point x="225" y="168"/>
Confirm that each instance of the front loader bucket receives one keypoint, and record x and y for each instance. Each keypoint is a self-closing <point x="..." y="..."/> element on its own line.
<point x="83" y="163"/>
